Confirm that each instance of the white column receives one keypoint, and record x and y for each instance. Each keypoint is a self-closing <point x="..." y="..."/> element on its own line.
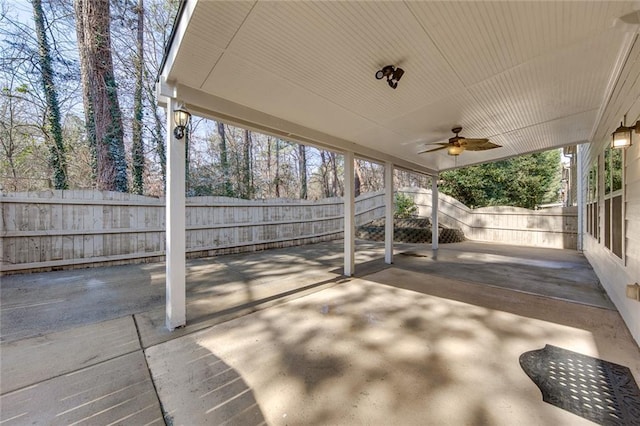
<point x="175" y="226"/>
<point x="580" y="196"/>
<point x="349" y="215"/>
<point x="434" y="212"/>
<point x="388" y="213"/>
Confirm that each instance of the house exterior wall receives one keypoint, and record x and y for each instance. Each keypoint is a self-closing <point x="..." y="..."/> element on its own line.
<point x="616" y="273"/>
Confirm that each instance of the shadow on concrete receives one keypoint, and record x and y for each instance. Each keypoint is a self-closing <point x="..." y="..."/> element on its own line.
<point x="560" y="274"/>
<point x="41" y="303"/>
<point x="378" y="354"/>
<point x="196" y="387"/>
<point x="116" y="391"/>
<point x="410" y="343"/>
<point x="152" y="329"/>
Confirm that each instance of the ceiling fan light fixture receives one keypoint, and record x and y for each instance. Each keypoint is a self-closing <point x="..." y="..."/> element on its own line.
<point x="459" y="144"/>
<point x="455" y="150"/>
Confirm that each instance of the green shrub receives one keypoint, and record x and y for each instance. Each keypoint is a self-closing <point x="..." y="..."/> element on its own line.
<point x="405" y="207"/>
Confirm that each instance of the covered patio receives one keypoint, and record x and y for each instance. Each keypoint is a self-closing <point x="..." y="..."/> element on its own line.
<point x="525" y="76"/>
<point x="352" y="332"/>
<point x="282" y="337"/>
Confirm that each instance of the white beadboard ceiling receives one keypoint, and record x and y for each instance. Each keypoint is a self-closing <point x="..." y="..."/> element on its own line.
<point x="529" y="75"/>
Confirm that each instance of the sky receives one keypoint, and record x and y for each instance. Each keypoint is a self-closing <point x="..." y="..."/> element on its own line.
<point x="19" y="8"/>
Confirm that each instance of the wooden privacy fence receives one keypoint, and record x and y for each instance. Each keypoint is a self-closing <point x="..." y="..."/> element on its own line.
<point x="62" y="229"/>
<point x="65" y="229"/>
<point x="554" y="228"/>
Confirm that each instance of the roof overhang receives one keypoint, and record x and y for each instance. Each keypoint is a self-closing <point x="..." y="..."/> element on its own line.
<point x="530" y="76"/>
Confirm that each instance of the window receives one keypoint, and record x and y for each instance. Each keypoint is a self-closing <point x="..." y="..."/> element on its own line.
<point x="613" y="202"/>
<point x="592" y="201"/>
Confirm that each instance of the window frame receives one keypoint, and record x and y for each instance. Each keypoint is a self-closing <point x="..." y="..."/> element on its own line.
<point x="592" y="206"/>
<point x="610" y="199"/>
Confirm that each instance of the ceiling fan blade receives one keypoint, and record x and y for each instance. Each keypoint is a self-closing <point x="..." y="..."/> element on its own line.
<point x="445" y="146"/>
<point x="480" y="145"/>
<point x="472" y="141"/>
<point x="458" y="144"/>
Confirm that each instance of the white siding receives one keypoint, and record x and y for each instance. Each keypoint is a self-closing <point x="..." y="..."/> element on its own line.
<point x="615" y="273"/>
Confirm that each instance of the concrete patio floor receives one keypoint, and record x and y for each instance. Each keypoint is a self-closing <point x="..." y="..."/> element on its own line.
<point x="280" y="337"/>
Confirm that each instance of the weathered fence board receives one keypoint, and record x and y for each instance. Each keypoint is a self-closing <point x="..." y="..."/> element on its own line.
<point x="59" y="229"/>
<point x="65" y="229"/>
<point x="554" y="228"/>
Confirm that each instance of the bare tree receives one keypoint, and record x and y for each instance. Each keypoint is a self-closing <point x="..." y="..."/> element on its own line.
<point x="302" y="165"/>
<point x="338" y="188"/>
<point x="324" y="172"/>
<point x="10" y="135"/>
<point x="102" y="110"/>
<point x="268" y="173"/>
<point x="276" y="180"/>
<point x="247" y="168"/>
<point x="358" y="178"/>
<point x="159" y="17"/>
<point x="137" y="146"/>
<point x="57" y="158"/>
<point x="224" y="161"/>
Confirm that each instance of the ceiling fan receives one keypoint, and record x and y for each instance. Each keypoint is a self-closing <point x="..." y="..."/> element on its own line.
<point x="458" y="144"/>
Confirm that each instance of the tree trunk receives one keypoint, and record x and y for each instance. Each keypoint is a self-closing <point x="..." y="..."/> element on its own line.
<point x="237" y="180"/>
<point x="158" y="137"/>
<point x="269" y="182"/>
<point x="324" y="168"/>
<point x="302" y="160"/>
<point x="160" y="148"/>
<point x="247" y="172"/>
<point x="8" y="141"/>
<point x="358" y="178"/>
<point x="137" y="147"/>
<point x="277" y="178"/>
<point x="57" y="159"/>
<point x="338" y="190"/>
<point x="224" y="162"/>
<point x="102" y="110"/>
<point x="86" y="90"/>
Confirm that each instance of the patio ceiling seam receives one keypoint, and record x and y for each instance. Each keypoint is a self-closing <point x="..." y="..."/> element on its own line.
<point x="224" y="50"/>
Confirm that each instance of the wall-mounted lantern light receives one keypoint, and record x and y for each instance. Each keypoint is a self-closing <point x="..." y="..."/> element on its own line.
<point x="181" y="117"/>
<point x="621" y="138"/>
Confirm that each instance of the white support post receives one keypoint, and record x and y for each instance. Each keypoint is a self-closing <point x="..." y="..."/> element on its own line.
<point x="388" y="213"/>
<point x="175" y="226"/>
<point x="349" y="215"/>
<point x="434" y="212"/>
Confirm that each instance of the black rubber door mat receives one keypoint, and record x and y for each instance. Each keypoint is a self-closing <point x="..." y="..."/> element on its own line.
<point x="600" y="391"/>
